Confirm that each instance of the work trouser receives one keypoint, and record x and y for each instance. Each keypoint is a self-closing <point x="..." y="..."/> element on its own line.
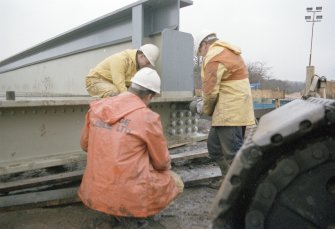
<point x="223" y="143"/>
<point x="99" y="87"/>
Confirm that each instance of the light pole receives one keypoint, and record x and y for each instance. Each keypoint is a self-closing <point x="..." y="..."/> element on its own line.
<point x="310" y="69"/>
<point x="314" y="18"/>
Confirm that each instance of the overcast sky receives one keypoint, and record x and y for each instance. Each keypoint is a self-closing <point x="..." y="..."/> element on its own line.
<point x="271" y="31"/>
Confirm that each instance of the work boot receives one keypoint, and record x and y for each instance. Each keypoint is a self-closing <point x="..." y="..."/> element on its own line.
<point x="216" y="184"/>
<point x="115" y="220"/>
<point x="224" y="167"/>
<point x="143" y="224"/>
<point x="130" y="222"/>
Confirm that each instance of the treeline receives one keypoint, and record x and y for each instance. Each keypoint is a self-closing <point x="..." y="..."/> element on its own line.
<point x="287" y="86"/>
<point x="260" y="75"/>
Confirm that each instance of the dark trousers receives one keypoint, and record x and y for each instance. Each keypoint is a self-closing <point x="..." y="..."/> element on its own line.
<point x="224" y="142"/>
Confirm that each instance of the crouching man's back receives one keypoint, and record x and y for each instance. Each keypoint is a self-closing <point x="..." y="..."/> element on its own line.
<point x="128" y="163"/>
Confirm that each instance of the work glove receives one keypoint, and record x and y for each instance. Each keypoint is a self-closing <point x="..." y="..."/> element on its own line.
<point x="197" y="106"/>
<point x="209" y="105"/>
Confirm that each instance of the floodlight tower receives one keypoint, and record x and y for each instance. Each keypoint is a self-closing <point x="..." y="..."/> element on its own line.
<point x="310" y="69"/>
<point x="314" y="18"/>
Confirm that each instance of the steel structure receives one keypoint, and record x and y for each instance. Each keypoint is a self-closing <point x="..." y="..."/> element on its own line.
<point x="42" y="126"/>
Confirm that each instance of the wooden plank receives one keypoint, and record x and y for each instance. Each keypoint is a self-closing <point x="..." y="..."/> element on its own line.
<point x="39" y="199"/>
<point x="39" y="181"/>
<point x="198" y="174"/>
<point x="32" y="163"/>
<point x="188" y="155"/>
<point x="195" y="175"/>
<point x="177" y="142"/>
<point x="190" y="176"/>
<point x="77" y="175"/>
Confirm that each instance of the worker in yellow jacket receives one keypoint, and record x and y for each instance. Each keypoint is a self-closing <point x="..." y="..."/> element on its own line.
<point x="112" y="76"/>
<point x="128" y="171"/>
<point x="226" y="96"/>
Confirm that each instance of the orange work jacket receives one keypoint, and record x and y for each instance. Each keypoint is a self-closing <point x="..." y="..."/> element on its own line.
<point x="225" y="86"/>
<point x="128" y="163"/>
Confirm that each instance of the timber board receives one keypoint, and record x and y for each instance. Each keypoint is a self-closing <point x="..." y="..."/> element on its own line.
<point x="39" y="181"/>
<point x="196" y="175"/>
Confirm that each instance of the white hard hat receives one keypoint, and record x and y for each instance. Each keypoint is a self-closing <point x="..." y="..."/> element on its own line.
<point x="151" y="52"/>
<point x="148" y="78"/>
<point x="200" y="37"/>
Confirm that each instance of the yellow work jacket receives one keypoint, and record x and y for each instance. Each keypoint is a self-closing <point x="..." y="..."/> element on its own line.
<point x="128" y="163"/>
<point x="117" y="69"/>
<point x="225" y="86"/>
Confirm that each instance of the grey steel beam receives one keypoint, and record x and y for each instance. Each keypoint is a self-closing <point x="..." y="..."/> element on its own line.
<point x="43" y="130"/>
<point x="43" y="133"/>
<point x="110" y="29"/>
<point x="177" y="63"/>
<point x="138" y="27"/>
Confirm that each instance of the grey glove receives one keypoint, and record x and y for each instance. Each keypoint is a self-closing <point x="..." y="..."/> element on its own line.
<point x="197" y="106"/>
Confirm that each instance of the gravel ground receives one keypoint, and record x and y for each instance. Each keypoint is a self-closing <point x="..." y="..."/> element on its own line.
<point x="189" y="211"/>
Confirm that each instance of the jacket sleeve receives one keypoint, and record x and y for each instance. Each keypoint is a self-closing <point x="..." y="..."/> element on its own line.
<point x="156" y="143"/>
<point x="85" y="133"/>
<point x="211" y="80"/>
<point x="118" y="67"/>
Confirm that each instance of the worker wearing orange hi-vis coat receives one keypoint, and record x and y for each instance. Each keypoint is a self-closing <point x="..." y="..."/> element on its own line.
<point x="112" y="76"/>
<point x="128" y="163"/>
<point x="226" y="96"/>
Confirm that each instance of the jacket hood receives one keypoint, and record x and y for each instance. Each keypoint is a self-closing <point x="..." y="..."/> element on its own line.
<point x="231" y="47"/>
<point x="112" y="109"/>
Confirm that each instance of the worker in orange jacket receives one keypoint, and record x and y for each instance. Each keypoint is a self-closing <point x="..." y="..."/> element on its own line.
<point x="128" y="162"/>
<point x="112" y="76"/>
<point x="226" y="96"/>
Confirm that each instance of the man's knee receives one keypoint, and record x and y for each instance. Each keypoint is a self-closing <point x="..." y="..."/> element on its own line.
<point x="102" y="90"/>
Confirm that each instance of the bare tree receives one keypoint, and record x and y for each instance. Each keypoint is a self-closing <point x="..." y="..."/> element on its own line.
<point x="258" y="71"/>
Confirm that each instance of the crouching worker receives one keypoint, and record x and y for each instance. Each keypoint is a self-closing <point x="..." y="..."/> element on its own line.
<point x="128" y="163"/>
<point x="112" y="76"/>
